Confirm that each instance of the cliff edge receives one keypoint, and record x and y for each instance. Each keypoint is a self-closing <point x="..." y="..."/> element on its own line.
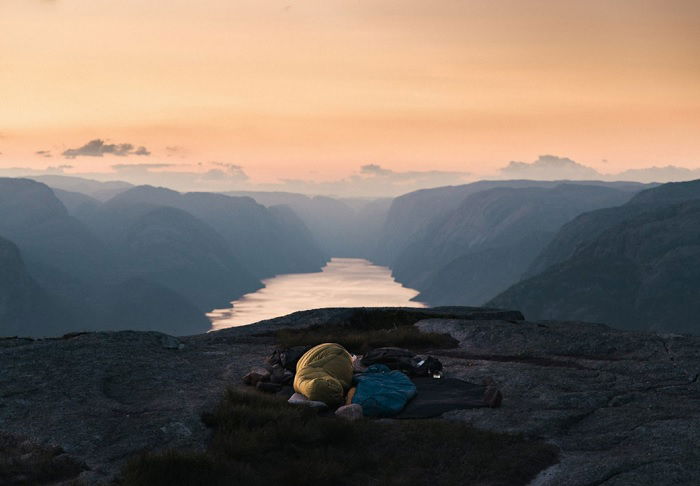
<point x="622" y="407"/>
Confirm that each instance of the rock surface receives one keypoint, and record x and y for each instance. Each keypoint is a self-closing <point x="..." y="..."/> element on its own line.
<point x="624" y="407"/>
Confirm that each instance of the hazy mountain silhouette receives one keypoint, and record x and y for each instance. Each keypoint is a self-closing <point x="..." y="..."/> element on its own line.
<point x="173" y="248"/>
<point x="412" y="215"/>
<point x="587" y="227"/>
<point x="97" y="189"/>
<point x="25" y="307"/>
<point x="138" y="256"/>
<point x="485" y="244"/>
<point x="34" y="219"/>
<point x="77" y="204"/>
<point x="635" y="266"/>
<point x="342" y="227"/>
<point x="263" y="243"/>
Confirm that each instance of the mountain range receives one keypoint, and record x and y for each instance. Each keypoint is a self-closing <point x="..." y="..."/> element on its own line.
<point x="463" y="245"/>
<point x="636" y="266"/>
<point x="116" y="256"/>
<point x="147" y="258"/>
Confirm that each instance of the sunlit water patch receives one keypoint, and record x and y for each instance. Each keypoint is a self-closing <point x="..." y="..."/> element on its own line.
<point x="343" y="282"/>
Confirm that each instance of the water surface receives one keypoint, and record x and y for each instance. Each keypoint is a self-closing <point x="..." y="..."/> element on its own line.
<point x="343" y="282"/>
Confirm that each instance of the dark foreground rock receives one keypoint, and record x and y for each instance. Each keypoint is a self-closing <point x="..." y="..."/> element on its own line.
<point x="623" y="407"/>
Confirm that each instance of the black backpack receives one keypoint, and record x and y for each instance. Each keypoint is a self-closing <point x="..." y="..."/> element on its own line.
<point x="402" y="360"/>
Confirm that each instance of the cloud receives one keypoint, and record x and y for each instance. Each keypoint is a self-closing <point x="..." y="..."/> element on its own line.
<point x="213" y="176"/>
<point x="373" y="180"/>
<point x="28" y="171"/>
<point x="44" y="153"/>
<point x="549" y="167"/>
<point x="142" y="151"/>
<point x="374" y="169"/>
<point x="230" y="172"/>
<point x="139" y="168"/>
<point x="98" y="148"/>
<point x="669" y="173"/>
<point x="370" y="180"/>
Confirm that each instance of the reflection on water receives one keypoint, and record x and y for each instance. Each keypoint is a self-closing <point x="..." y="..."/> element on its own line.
<point x="343" y="282"/>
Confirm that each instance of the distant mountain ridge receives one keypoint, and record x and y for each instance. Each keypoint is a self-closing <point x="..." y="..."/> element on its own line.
<point x="636" y="266"/>
<point x="96" y="189"/>
<point x="411" y="215"/>
<point x="143" y="260"/>
<point x="23" y="303"/>
<point x="261" y="240"/>
<point x="153" y="258"/>
<point x="342" y="227"/>
<point x="463" y="245"/>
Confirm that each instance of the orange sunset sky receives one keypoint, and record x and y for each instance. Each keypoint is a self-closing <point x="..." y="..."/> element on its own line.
<point x="315" y="89"/>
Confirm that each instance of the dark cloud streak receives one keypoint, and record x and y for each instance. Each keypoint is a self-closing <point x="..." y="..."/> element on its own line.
<point x="98" y="148"/>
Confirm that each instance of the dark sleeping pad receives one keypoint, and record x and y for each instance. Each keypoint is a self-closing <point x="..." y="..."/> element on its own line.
<point x="436" y="396"/>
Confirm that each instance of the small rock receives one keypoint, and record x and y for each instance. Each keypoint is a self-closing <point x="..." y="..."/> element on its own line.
<point x="299" y="399"/>
<point x="280" y="375"/>
<point x="350" y="412"/>
<point x="255" y="376"/>
<point x="177" y="429"/>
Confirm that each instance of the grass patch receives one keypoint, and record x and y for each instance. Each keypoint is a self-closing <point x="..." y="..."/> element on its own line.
<point x="366" y="329"/>
<point x="24" y="462"/>
<point x="262" y="440"/>
<point x="360" y="341"/>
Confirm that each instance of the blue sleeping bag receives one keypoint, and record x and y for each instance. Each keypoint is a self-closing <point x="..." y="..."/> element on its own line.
<point x="382" y="392"/>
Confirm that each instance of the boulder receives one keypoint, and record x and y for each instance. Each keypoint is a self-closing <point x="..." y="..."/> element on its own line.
<point x="350" y="412"/>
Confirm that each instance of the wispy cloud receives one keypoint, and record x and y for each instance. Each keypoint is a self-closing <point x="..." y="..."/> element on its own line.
<point x="98" y="148"/>
<point x="552" y="167"/>
<point x="28" y="171"/>
<point x="373" y="180"/>
<point x="549" y="167"/>
<point x="669" y="173"/>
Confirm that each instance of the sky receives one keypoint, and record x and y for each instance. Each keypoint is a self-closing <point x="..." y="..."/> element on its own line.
<point x="290" y="92"/>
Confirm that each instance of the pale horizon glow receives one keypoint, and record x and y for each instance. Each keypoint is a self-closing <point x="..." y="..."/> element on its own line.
<point x="315" y="89"/>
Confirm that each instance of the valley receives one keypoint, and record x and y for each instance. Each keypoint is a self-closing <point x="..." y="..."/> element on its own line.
<point x="118" y="256"/>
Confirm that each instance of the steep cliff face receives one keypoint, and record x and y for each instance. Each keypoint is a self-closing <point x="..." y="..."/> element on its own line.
<point x="643" y="273"/>
<point x="171" y="247"/>
<point x="262" y="241"/>
<point x="34" y="219"/>
<point x="636" y="266"/>
<point x="139" y="264"/>
<point x="24" y="306"/>
<point x="589" y="226"/>
<point x="485" y="244"/>
<point x="412" y="215"/>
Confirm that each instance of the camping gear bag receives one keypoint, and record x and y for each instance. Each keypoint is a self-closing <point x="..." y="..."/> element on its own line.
<point x="402" y="360"/>
<point x="383" y="392"/>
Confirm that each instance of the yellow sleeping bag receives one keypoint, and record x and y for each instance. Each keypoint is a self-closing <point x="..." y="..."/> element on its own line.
<point x="324" y="372"/>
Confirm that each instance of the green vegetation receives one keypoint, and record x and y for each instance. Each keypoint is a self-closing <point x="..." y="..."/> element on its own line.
<point x="370" y="329"/>
<point x="262" y="440"/>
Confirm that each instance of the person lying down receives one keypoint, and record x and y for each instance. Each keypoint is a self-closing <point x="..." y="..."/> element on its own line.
<point x="328" y="374"/>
